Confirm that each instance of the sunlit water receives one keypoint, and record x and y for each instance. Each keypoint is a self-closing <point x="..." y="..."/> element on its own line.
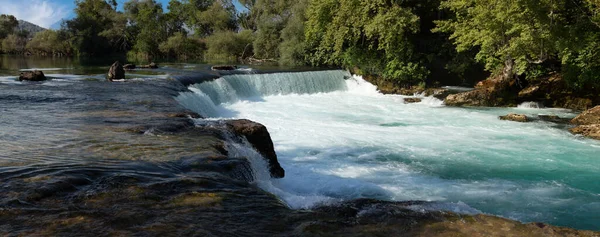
<point x="340" y="139"/>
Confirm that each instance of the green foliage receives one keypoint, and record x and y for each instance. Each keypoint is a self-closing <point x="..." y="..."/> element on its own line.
<point x="14" y="44"/>
<point x="292" y="48"/>
<point x="582" y="67"/>
<point x="515" y="31"/>
<point x="90" y="29"/>
<point x="147" y="23"/>
<point x="373" y="35"/>
<point x="228" y="46"/>
<point x="182" y="47"/>
<point x="8" y="23"/>
<point x="50" y="42"/>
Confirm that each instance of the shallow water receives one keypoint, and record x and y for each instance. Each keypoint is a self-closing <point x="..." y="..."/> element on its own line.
<point x="345" y="141"/>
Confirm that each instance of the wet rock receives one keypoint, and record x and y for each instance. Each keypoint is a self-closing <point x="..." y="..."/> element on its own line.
<point x="439" y="93"/>
<point x="591" y="116"/>
<point x="116" y="71"/>
<point x="129" y="66"/>
<point x="589" y="123"/>
<point x="591" y="131"/>
<point x="495" y="91"/>
<point x="515" y="117"/>
<point x="223" y="67"/>
<point x="32" y="76"/>
<point x="150" y="66"/>
<point x="553" y="119"/>
<point x="411" y="100"/>
<point x="553" y="91"/>
<point x="186" y="114"/>
<point x="260" y="139"/>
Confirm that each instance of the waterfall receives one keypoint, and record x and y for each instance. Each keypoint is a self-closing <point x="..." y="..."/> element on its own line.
<point x="206" y="97"/>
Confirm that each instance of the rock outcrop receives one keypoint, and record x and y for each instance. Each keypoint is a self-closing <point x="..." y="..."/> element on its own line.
<point x="553" y="91"/>
<point x="258" y="135"/>
<point x="496" y="91"/>
<point x="32" y="76"/>
<point x="515" y="117"/>
<point x="588" y="123"/>
<point x="412" y="100"/>
<point x="116" y="72"/>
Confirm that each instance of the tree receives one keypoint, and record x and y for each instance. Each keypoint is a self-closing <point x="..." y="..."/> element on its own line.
<point x="14" y="44"/>
<point x="93" y="29"/>
<point x="228" y="46"/>
<point x="292" y="48"/>
<point x="147" y="23"/>
<point x="182" y="47"/>
<point x="8" y="23"/>
<point x="371" y="35"/>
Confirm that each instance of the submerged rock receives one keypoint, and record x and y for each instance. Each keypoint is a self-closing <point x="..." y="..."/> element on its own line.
<point x="32" y="76"/>
<point x="258" y="135"/>
<point x="129" y="66"/>
<point x="150" y="66"/>
<point x="515" y="117"/>
<point x="553" y="119"/>
<point x="116" y="71"/>
<point x="411" y="100"/>
<point x="223" y="67"/>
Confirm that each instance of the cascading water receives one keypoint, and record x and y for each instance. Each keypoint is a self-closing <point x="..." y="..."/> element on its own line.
<point x="341" y="139"/>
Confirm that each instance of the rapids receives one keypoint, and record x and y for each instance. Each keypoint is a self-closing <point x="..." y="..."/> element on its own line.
<point x="339" y="139"/>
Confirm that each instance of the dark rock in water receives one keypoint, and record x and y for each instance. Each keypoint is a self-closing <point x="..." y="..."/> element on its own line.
<point x="150" y="66"/>
<point x="223" y="67"/>
<point x="411" y="100"/>
<point x="439" y="93"/>
<point x="32" y="76"/>
<point x="515" y="117"/>
<point x="553" y="119"/>
<point x="129" y="66"/>
<point x="258" y="135"/>
<point x="116" y="71"/>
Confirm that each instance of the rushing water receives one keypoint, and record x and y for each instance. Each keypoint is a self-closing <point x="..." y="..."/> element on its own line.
<point x="340" y="139"/>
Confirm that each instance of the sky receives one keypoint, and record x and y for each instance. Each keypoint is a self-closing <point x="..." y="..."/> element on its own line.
<point x="47" y="13"/>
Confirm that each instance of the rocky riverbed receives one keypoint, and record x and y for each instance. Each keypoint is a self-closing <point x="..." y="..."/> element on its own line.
<point x="96" y="158"/>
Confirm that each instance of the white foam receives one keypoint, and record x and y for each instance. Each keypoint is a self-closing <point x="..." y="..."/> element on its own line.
<point x="357" y="143"/>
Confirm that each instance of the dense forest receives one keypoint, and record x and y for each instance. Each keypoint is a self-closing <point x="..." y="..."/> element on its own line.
<point x="408" y="42"/>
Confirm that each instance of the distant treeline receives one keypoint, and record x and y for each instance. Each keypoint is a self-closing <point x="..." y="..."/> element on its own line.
<point x="408" y="42"/>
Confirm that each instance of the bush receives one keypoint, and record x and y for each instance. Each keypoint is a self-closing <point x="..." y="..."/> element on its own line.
<point x="228" y="46"/>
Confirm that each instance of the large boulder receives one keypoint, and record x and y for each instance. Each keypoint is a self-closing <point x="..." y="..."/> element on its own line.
<point x="116" y="71"/>
<point x="496" y="91"/>
<point x="32" y="76"/>
<point x="515" y="117"/>
<point x="589" y="123"/>
<point x="258" y="135"/>
<point x="588" y="117"/>
<point x="591" y="131"/>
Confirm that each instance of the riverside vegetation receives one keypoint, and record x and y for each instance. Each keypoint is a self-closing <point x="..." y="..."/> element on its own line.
<point x="401" y="43"/>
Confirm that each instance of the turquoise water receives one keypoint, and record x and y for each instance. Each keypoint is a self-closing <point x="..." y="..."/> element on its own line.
<point x="346" y="141"/>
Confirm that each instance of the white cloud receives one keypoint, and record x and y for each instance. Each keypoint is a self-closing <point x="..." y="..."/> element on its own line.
<point x="44" y="13"/>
